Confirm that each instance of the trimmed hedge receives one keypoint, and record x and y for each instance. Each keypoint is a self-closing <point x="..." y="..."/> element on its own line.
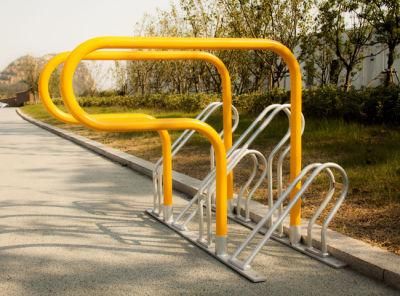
<point x="187" y="103"/>
<point x="372" y="105"/>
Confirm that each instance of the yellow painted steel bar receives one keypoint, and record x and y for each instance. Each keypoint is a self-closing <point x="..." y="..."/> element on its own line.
<point x="226" y="86"/>
<point x="165" y="124"/>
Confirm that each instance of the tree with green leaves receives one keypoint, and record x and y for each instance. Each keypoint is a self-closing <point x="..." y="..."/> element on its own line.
<point x="120" y="74"/>
<point x="348" y="33"/>
<point x="54" y="84"/>
<point x="31" y="73"/>
<point x="319" y="60"/>
<point x="384" y="16"/>
<point x="286" y="21"/>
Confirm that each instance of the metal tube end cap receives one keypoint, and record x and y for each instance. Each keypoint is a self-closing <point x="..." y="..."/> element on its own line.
<point x="295" y="234"/>
<point x="221" y="246"/>
<point x="168" y="214"/>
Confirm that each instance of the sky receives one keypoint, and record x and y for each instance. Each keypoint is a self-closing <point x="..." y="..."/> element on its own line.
<point x="39" y="27"/>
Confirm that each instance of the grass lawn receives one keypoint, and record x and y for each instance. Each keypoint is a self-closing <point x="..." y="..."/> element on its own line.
<point x="369" y="154"/>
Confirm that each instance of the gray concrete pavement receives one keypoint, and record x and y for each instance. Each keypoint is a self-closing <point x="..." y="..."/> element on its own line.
<point x="72" y="223"/>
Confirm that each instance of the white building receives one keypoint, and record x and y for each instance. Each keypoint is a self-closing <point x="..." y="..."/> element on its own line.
<point x="370" y="73"/>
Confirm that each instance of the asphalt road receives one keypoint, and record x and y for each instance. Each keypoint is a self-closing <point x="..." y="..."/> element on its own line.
<point x="72" y="223"/>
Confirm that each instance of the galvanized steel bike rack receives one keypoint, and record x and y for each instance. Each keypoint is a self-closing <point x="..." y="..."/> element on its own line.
<point x="267" y="172"/>
<point x="202" y="201"/>
<point x="321" y="254"/>
<point x="239" y="150"/>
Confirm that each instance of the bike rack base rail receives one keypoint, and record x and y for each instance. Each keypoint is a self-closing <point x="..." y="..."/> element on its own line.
<point x="249" y="273"/>
<point x="191" y="236"/>
<point x="300" y="247"/>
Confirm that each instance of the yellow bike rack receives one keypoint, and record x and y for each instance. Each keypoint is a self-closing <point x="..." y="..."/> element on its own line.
<point x="124" y="122"/>
<point x="53" y="63"/>
<point x="178" y="124"/>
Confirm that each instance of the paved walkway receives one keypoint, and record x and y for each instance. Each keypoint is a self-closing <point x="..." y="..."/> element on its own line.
<point x="72" y="223"/>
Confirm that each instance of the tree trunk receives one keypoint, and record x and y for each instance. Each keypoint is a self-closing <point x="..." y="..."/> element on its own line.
<point x="334" y="71"/>
<point x="35" y="97"/>
<point x="347" y="83"/>
<point x="389" y="71"/>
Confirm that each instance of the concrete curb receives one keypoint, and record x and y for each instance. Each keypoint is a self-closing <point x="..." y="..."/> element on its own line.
<point x="360" y="256"/>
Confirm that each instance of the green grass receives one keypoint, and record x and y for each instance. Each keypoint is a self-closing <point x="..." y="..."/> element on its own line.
<point x="369" y="154"/>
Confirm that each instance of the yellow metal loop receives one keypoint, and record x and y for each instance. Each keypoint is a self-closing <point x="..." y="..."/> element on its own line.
<point x="44" y="95"/>
<point x="146" y="55"/>
<point x="173" y="124"/>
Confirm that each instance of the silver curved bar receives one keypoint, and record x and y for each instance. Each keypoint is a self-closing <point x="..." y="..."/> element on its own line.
<point x="203" y="116"/>
<point x="234" y="149"/>
<point x="323" y="205"/>
<point x="156" y="193"/>
<point x="270" y="163"/>
<point x="279" y="166"/>
<point x="285" y="108"/>
<point x="245" y="187"/>
<point x="279" y="174"/>
<point x="316" y="169"/>
<point x="235" y="117"/>
<point x="281" y="158"/>
<point x="256" y="185"/>
<point x="259" y="118"/>
<point x="207" y="191"/>
<point x="256" y="156"/>
<point x="207" y="196"/>
<point x="178" y="144"/>
<point x="234" y="160"/>
<point x="280" y="161"/>
<point x="262" y="222"/>
<point x="345" y="180"/>
<point x="204" y="201"/>
<point x="235" y="154"/>
<point x="274" y="151"/>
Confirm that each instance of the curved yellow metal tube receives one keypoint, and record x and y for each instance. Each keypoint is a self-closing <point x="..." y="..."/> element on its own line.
<point x="226" y="86"/>
<point x="165" y="124"/>
<point x="44" y="95"/>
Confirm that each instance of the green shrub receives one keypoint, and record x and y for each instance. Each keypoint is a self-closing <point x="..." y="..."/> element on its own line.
<point x="187" y="102"/>
<point x="371" y="105"/>
<point x="256" y="102"/>
<point x="382" y="105"/>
